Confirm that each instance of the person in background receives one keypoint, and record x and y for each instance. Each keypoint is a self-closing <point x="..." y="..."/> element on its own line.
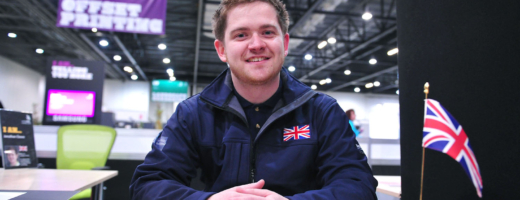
<point x="256" y="132"/>
<point x="12" y="156"/>
<point x="351" y="115"/>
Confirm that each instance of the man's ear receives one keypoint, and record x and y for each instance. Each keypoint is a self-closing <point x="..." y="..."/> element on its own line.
<point x="286" y="43"/>
<point x="219" y="46"/>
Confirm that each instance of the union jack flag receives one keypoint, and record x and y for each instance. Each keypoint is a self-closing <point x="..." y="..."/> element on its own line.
<point x="22" y="148"/>
<point x="296" y="133"/>
<point x="443" y="133"/>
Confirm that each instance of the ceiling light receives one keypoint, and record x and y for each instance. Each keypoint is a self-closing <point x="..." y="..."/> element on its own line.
<point x="94" y="30"/>
<point x="161" y="46"/>
<point x="169" y="71"/>
<point x="323" y="82"/>
<point x="11" y="35"/>
<point x="308" y="57"/>
<point x="166" y="60"/>
<point x="134" y="77"/>
<point x="377" y="83"/>
<point x="397" y="92"/>
<point x="328" y="80"/>
<point x="392" y="51"/>
<point x="291" y="68"/>
<point x="369" y="85"/>
<point x="357" y="89"/>
<point x="347" y="72"/>
<point x="322" y="44"/>
<point x="331" y="40"/>
<point x="103" y="43"/>
<point x="313" y="86"/>
<point x="172" y="78"/>
<point x="117" y="57"/>
<point x="367" y="16"/>
<point x="128" y="69"/>
<point x="39" y="50"/>
<point x="372" y="61"/>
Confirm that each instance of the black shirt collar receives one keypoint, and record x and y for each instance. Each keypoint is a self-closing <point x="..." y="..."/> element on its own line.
<point x="270" y="103"/>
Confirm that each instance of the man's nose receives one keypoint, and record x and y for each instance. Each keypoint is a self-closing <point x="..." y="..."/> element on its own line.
<point x="256" y="43"/>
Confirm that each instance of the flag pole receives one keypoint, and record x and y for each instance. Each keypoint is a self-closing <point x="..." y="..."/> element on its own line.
<point x="426" y="91"/>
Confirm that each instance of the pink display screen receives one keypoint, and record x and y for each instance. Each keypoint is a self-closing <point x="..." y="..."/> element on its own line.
<point x="71" y="103"/>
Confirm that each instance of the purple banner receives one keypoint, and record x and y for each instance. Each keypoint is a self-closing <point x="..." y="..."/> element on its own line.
<point x="133" y="16"/>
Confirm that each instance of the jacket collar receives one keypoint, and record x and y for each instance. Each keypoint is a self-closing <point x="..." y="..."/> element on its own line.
<point x="220" y="91"/>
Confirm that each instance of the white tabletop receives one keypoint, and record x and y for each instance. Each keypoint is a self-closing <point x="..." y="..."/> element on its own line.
<point x="390" y="185"/>
<point x="52" y="179"/>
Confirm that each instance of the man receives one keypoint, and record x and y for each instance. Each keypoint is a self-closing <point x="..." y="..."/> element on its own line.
<point x="11" y="154"/>
<point x="256" y="132"/>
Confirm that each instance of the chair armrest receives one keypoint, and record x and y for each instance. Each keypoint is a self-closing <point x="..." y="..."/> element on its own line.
<point x="101" y="168"/>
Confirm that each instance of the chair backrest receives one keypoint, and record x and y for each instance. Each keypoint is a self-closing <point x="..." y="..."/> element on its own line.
<point x="84" y="146"/>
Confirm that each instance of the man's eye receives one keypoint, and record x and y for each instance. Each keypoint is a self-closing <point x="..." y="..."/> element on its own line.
<point x="240" y="35"/>
<point x="268" y="32"/>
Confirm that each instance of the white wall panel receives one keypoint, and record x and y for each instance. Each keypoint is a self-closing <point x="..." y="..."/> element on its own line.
<point x="21" y="87"/>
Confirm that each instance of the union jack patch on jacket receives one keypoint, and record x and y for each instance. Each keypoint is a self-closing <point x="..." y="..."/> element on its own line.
<point x="296" y="133"/>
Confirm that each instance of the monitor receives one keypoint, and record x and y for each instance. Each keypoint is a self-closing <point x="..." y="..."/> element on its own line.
<point x="70" y="103"/>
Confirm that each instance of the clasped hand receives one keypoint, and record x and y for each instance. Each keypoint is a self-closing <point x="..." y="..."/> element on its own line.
<point x="252" y="191"/>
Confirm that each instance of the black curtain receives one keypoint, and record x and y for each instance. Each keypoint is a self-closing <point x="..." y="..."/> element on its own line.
<point x="469" y="52"/>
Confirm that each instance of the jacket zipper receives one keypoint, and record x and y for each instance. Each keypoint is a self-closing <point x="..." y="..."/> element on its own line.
<point x="251" y="150"/>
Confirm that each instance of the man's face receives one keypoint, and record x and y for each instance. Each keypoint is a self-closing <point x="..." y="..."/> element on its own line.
<point x="12" y="157"/>
<point x="254" y="45"/>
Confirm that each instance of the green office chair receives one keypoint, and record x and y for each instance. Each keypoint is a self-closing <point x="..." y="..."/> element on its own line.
<point x="84" y="147"/>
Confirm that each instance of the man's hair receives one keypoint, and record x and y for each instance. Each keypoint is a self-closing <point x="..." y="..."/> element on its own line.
<point x="348" y="113"/>
<point x="220" y="17"/>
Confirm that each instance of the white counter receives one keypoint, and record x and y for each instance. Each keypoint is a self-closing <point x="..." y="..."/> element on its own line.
<point x="130" y="144"/>
<point x="134" y="144"/>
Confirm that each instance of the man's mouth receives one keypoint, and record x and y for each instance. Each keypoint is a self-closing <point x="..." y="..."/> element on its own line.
<point x="257" y="59"/>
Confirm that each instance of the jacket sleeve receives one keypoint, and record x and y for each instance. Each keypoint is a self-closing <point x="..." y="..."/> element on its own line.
<point x="171" y="164"/>
<point x="342" y="166"/>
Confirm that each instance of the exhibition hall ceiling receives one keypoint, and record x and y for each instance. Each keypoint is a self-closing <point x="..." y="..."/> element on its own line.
<point x="350" y="42"/>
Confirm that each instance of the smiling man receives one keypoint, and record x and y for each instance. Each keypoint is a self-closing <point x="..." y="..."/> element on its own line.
<point x="256" y="132"/>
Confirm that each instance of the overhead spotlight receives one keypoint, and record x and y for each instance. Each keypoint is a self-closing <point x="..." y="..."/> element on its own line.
<point x="357" y="89"/>
<point x="12" y="35"/>
<point x="172" y="78"/>
<point x="161" y="46"/>
<point x="103" y="43"/>
<point x="397" y="92"/>
<point x="322" y="44"/>
<point x="323" y="82"/>
<point x="369" y="85"/>
<point x="128" y="69"/>
<point x="366" y="16"/>
<point x="39" y="50"/>
<point x="314" y="87"/>
<point x="372" y="61"/>
<point x="328" y="80"/>
<point x="117" y="57"/>
<point x="94" y="30"/>
<point x="347" y="72"/>
<point x="377" y="83"/>
<point x="331" y="40"/>
<point x="392" y="51"/>
<point x="308" y="57"/>
<point x="134" y="77"/>
<point x="166" y="60"/>
<point x="170" y="72"/>
<point x="291" y="68"/>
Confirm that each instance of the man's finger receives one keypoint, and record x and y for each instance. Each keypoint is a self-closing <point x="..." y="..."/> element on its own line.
<point x="246" y="197"/>
<point x="257" y="185"/>
<point x="257" y="192"/>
